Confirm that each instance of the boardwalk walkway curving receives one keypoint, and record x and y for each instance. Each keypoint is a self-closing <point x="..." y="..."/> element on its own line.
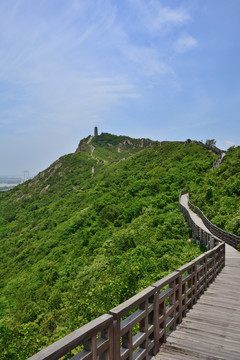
<point x="211" y="329"/>
<point x="196" y="219"/>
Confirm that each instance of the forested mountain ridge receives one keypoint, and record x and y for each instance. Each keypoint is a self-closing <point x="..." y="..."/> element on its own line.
<point x="76" y="243"/>
<point x="110" y="148"/>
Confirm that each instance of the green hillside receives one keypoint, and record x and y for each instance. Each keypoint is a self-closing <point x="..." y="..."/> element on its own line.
<point x="77" y="242"/>
<point x="112" y="148"/>
<point x="218" y="197"/>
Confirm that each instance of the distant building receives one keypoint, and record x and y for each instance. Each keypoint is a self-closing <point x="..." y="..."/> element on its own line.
<point x="95" y="131"/>
<point x="25" y="176"/>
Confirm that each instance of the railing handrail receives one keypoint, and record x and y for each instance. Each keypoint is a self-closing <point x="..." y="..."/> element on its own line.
<point x="155" y="310"/>
<point x="74" y="339"/>
<point x="226" y="236"/>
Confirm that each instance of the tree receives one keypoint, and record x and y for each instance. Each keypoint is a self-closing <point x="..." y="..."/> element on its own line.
<point x="210" y="142"/>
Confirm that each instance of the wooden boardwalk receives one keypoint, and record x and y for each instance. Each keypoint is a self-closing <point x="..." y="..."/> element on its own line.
<point x="211" y="330"/>
<point x="196" y="219"/>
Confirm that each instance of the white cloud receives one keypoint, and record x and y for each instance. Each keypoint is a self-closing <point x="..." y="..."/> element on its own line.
<point x="229" y="143"/>
<point x="157" y="17"/>
<point x="146" y="60"/>
<point x="185" y="43"/>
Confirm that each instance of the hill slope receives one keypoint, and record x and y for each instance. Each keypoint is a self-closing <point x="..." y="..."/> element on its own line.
<point x="218" y="197"/>
<point x="111" y="148"/>
<point x="75" y="244"/>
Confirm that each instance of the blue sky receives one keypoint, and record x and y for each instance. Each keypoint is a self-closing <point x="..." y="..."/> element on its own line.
<point x="166" y="70"/>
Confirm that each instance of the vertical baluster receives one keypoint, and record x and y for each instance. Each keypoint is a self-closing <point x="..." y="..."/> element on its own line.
<point x="172" y="302"/>
<point x="214" y="265"/>
<point x="144" y="326"/>
<point x="190" y="285"/>
<point x="127" y="343"/>
<point x="162" y="309"/>
<point x="184" y="298"/>
<point x="180" y="297"/>
<point x="91" y="346"/>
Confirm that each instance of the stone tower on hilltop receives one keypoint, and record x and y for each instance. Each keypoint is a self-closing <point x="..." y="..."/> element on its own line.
<point x="95" y="131"/>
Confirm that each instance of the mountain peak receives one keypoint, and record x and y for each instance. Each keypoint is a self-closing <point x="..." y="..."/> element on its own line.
<point x="110" y="148"/>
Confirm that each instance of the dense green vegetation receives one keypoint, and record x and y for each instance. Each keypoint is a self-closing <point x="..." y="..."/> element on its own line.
<point x="218" y="197"/>
<point x="75" y="244"/>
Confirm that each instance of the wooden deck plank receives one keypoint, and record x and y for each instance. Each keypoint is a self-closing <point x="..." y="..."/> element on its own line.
<point x="171" y="353"/>
<point x="211" y="329"/>
<point x="199" y="348"/>
<point x="207" y="339"/>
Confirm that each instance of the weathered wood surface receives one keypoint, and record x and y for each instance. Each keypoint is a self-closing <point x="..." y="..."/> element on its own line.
<point x="211" y="330"/>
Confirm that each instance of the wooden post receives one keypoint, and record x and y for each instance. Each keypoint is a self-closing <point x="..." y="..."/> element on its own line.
<point x="205" y="273"/>
<point x="116" y="339"/>
<point x="224" y="254"/>
<point x="156" y="323"/>
<point x="111" y="342"/>
<point x="195" y="284"/>
<point x="94" y="347"/>
<point x="211" y="242"/>
<point x="180" y="297"/>
<point x="125" y="320"/>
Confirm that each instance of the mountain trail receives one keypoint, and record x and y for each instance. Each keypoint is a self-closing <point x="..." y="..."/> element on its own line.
<point x="219" y="160"/>
<point x="90" y="139"/>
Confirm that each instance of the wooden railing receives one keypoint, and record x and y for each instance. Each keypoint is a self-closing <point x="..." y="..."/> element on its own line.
<point x="229" y="238"/>
<point x="95" y="340"/>
<point x="135" y="329"/>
